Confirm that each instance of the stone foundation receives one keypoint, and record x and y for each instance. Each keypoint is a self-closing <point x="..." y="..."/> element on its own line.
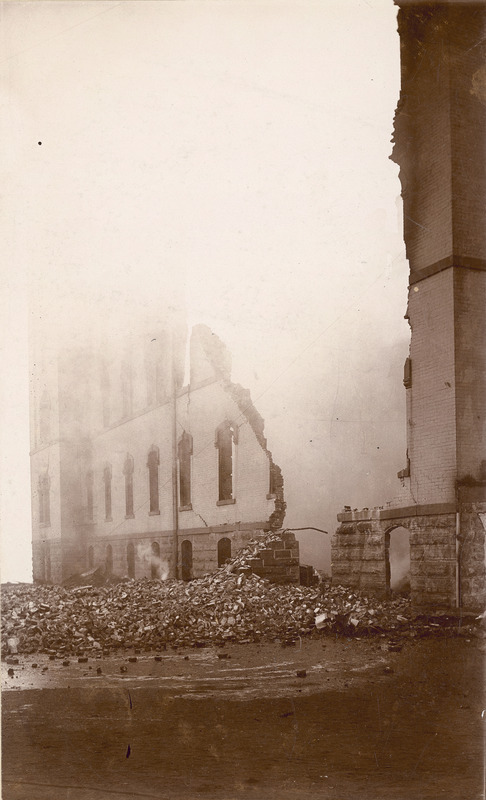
<point x="442" y="574"/>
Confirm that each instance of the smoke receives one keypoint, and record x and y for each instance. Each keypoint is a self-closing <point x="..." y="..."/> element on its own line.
<point x="159" y="568"/>
<point x="399" y="555"/>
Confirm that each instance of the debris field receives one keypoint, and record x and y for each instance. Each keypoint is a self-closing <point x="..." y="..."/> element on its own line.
<point x="231" y="605"/>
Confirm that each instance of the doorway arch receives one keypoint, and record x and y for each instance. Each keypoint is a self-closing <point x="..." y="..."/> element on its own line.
<point x="224" y="550"/>
<point x="186" y="560"/>
<point x="397" y="555"/>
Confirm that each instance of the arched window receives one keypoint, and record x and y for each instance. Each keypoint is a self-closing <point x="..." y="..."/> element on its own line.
<point x="186" y="560"/>
<point x="89" y="495"/>
<point x="44" y="499"/>
<point x="155" y="561"/>
<point x="131" y="560"/>
<point x="45" y="418"/>
<point x="128" y="473"/>
<point x="90" y="557"/>
<point x="224" y="551"/>
<point x="153" y="462"/>
<point x="185" y="453"/>
<point x="109" y="560"/>
<point x="107" y="482"/>
<point x="226" y="440"/>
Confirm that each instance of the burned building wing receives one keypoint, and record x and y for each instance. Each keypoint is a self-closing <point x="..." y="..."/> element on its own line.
<point x="138" y="473"/>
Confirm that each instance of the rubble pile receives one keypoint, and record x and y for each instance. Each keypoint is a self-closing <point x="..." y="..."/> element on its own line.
<point x="151" y="614"/>
<point x="231" y="604"/>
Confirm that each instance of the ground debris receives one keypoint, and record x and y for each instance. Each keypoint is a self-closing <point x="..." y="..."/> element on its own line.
<point x="231" y="604"/>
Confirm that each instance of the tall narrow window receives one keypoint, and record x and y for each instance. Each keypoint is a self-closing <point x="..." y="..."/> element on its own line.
<point x="224" y="551"/>
<point x="153" y="462"/>
<point x="226" y="439"/>
<point x="44" y="499"/>
<point x="107" y="482"/>
<point x="186" y="560"/>
<point x="45" y="418"/>
<point x="90" y="557"/>
<point x="128" y="473"/>
<point x="131" y="560"/>
<point x="109" y="560"/>
<point x="127" y="388"/>
<point x="185" y="453"/>
<point x="89" y="495"/>
<point x="155" y="561"/>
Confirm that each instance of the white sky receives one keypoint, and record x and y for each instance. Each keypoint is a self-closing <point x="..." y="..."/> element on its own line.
<point x="237" y="152"/>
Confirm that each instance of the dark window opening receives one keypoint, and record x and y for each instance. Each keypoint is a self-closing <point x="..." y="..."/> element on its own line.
<point x="107" y="482"/>
<point x="226" y="438"/>
<point x="128" y="472"/>
<point x="44" y="499"/>
<point x="109" y="560"/>
<point x="224" y="551"/>
<point x="131" y="560"/>
<point x="185" y="453"/>
<point x="186" y="560"/>
<point x="155" y="561"/>
<point x="153" y="462"/>
<point x="90" y="557"/>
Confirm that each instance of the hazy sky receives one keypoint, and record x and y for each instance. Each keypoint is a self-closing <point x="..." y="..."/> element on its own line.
<point x="237" y="152"/>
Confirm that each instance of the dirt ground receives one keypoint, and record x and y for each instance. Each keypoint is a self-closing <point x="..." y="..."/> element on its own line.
<point x="364" y="722"/>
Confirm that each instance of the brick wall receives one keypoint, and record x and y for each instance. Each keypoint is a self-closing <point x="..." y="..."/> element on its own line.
<point x="470" y="370"/>
<point x="431" y="425"/>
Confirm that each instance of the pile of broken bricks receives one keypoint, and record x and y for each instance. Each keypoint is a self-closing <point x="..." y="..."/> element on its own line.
<point x="231" y="604"/>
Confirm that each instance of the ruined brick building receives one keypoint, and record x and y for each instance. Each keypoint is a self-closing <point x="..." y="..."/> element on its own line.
<point x="134" y="472"/>
<point x="440" y="147"/>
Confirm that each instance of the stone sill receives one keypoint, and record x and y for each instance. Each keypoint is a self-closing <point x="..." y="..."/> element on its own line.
<point x="108" y="519"/>
<point x="129" y="516"/>
<point x="154" y="513"/>
<point x="226" y="502"/>
<point x="44" y="524"/>
<point x="186" y="508"/>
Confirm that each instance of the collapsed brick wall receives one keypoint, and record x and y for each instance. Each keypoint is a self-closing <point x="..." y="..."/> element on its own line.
<point x="220" y="359"/>
<point x="279" y="562"/>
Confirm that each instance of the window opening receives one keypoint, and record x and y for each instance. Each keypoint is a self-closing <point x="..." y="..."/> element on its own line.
<point x="153" y="462"/>
<point x="186" y="560"/>
<point x="107" y="482"/>
<point x="185" y="454"/>
<point x="155" y="561"/>
<point x="226" y="439"/>
<point x="128" y="472"/>
<point x="224" y="551"/>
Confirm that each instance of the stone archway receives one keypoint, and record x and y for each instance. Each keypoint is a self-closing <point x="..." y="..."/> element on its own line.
<point x="397" y="560"/>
